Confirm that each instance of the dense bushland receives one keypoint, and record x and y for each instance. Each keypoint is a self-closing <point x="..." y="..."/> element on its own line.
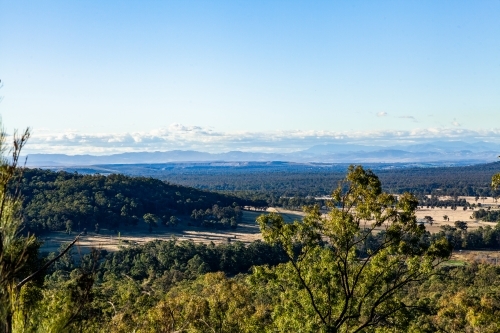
<point x="61" y="200"/>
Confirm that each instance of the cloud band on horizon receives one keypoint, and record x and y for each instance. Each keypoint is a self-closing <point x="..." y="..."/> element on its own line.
<point x="181" y="137"/>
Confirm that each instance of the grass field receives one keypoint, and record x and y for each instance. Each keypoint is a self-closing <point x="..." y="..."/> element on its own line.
<point x="247" y="231"/>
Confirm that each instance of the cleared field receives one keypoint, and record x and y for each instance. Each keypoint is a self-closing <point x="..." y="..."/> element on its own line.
<point x="488" y="201"/>
<point x="461" y="257"/>
<point x="454" y="215"/>
<point x="247" y="231"/>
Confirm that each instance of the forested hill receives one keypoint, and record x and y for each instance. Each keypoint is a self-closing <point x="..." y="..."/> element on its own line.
<point x="54" y="199"/>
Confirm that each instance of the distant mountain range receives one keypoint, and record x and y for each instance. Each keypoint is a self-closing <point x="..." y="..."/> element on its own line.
<point x="436" y="151"/>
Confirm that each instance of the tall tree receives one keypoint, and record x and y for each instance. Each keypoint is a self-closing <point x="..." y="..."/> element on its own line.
<point x="15" y="249"/>
<point x="327" y="285"/>
<point x="495" y="181"/>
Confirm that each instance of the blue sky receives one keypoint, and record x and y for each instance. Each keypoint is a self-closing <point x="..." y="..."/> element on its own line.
<point x="111" y="76"/>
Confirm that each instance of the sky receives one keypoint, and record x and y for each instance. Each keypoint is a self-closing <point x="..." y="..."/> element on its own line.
<point x="103" y="77"/>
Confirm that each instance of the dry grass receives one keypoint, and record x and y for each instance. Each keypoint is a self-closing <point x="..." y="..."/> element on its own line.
<point x="488" y="201"/>
<point x="247" y="232"/>
<point x="482" y="256"/>
<point x="454" y="215"/>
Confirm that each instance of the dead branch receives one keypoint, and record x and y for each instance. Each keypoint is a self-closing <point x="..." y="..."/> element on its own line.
<point x="50" y="262"/>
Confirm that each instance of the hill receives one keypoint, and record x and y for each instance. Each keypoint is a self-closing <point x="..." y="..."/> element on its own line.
<point x="62" y="200"/>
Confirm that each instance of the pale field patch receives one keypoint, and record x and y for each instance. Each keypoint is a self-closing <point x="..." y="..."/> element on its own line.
<point x="489" y="201"/>
<point x="454" y="215"/>
<point x="246" y="232"/>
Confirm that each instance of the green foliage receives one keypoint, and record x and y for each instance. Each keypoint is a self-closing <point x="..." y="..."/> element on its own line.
<point x="51" y="199"/>
<point x="176" y="260"/>
<point x="218" y="217"/>
<point x="461" y="225"/>
<point x="15" y="251"/>
<point x="487" y="215"/>
<point x="212" y="303"/>
<point x="325" y="286"/>
<point x="465" y="300"/>
<point x="151" y="220"/>
<point x="495" y="181"/>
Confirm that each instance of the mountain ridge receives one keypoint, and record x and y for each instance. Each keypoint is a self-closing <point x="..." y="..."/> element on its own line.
<point x="437" y="151"/>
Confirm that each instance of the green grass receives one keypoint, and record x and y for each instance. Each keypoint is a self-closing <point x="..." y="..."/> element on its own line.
<point x="454" y="263"/>
<point x="250" y="217"/>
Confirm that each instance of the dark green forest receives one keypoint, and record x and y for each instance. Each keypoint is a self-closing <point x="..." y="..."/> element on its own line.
<point x="60" y="200"/>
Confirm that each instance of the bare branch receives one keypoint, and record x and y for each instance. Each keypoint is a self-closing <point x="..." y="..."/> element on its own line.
<point x="50" y="262"/>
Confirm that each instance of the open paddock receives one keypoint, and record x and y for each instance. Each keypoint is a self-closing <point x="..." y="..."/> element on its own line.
<point x="454" y="215"/>
<point x="246" y="232"/>
<point x="487" y="201"/>
<point x="480" y="256"/>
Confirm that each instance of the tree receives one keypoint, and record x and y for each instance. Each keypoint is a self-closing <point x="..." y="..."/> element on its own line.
<point x="151" y="220"/>
<point x="495" y="181"/>
<point x="69" y="226"/>
<point x="461" y="225"/>
<point x="14" y="249"/>
<point x="173" y="221"/>
<point x="327" y="286"/>
<point x="446" y="218"/>
<point x="211" y="303"/>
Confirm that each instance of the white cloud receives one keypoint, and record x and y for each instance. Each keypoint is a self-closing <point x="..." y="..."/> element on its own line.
<point x="455" y="123"/>
<point x="381" y="114"/>
<point x="180" y="137"/>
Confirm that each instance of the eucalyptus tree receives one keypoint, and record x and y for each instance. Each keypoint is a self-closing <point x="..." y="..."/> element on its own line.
<point x="495" y="181"/>
<point x="151" y="220"/>
<point x="328" y="285"/>
<point x="15" y="249"/>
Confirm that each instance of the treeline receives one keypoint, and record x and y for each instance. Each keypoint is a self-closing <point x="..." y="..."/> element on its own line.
<point x="292" y="186"/>
<point x="217" y="217"/>
<point x="461" y="238"/>
<point x="436" y="201"/>
<point x="487" y="215"/>
<point x="58" y="200"/>
<point x="186" y="259"/>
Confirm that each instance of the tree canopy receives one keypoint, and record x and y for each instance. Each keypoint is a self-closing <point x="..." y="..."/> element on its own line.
<point x="328" y="285"/>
